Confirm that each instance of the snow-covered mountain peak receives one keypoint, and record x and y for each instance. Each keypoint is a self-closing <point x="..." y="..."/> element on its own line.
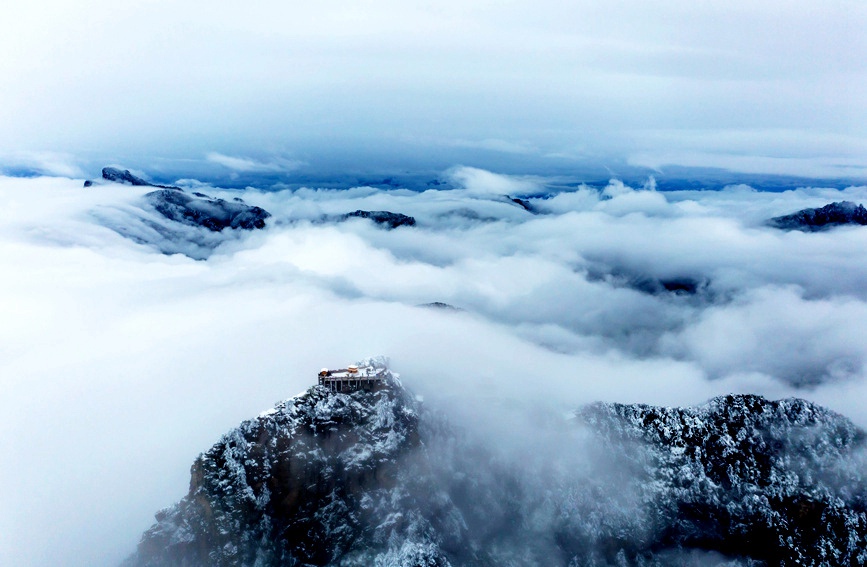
<point x="370" y="477"/>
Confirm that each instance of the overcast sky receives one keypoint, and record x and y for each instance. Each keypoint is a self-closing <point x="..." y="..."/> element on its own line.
<point x="760" y="87"/>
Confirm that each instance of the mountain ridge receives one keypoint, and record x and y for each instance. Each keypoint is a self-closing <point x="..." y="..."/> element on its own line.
<point x="823" y="218"/>
<point x="374" y="478"/>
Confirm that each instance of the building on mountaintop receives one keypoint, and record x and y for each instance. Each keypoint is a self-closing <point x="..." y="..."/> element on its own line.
<point x="353" y="378"/>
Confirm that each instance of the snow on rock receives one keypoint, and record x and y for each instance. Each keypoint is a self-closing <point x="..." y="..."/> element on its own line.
<point x="373" y="478"/>
<point x="822" y="218"/>
<point x="781" y="482"/>
<point x="308" y="483"/>
<point x="203" y="211"/>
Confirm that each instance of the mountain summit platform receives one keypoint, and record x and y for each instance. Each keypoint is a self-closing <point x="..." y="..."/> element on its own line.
<point x="353" y="378"/>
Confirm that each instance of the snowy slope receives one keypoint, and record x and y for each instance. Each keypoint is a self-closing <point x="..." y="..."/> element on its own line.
<point x="373" y="478"/>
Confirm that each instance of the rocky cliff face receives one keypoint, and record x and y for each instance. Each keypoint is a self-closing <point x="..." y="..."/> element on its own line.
<point x="372" y="478"/>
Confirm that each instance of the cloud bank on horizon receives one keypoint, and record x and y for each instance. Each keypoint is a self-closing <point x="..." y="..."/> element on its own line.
<point x="760" y="87"/>
<point x="120" y="363"/>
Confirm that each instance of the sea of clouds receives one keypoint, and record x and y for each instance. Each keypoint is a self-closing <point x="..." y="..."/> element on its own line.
<point x="126" y="350"/>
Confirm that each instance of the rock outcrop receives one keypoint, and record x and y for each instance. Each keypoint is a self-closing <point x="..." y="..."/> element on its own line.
<point x="386" y="219"/>
<point x="523" y="203"/>
<point x="124" y="176"/>
<point x="172" y="221"/>
<point x="201" y="210"/>
<point x="813" y="220"/>
<point x="441" y="306"/>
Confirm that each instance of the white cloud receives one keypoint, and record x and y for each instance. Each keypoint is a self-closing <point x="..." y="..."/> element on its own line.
<point x="120" y="364"/>
<point x="247" y="165"/>
<point x="779" y="333"/>
<point x="481" y="182"/>
<point x="40" y="163"/>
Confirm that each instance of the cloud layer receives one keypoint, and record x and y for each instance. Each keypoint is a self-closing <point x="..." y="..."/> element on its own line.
<point x="120" y="363"/>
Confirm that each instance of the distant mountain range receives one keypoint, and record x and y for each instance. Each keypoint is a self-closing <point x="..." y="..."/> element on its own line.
<point x="198" y="210"/>
<point x="341" y="175"/>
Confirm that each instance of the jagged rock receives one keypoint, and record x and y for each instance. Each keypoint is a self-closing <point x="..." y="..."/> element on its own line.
<point x="124" y="176"/>
<point x="88" y="183"/>
<point x="213" y="214"/>
<point x="372" y="478"/>
<point x="385" y="218"/>
<point x="813" y="220"/>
